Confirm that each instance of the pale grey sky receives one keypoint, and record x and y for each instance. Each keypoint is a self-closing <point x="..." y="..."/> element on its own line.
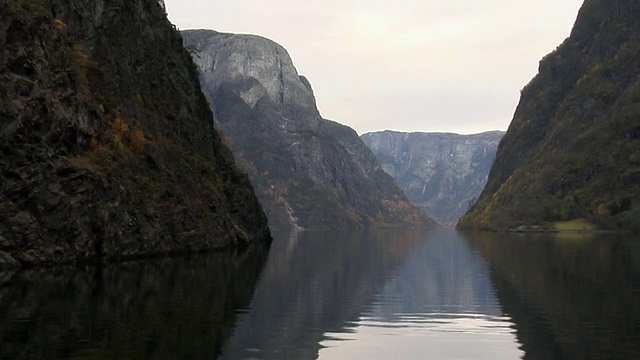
<point x="407" y="65"/>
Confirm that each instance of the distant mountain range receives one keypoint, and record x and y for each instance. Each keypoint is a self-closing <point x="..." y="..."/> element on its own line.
<point x="308" y="172"/>
<point x="571" y="156"/>
<point x="440" y="172"/>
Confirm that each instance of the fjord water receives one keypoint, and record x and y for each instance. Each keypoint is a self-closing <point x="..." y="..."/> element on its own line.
<point x="335" y="295"/>
<point x="382" y="294"/>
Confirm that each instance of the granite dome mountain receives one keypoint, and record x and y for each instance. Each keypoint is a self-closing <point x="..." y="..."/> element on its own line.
<point x="440" y="172"/>
<point x="308" y="172"/>
<point x="572" y="151"/>
<point x="107" y="148"/>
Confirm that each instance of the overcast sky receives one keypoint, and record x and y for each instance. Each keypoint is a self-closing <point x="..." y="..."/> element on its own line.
<point x="408" y="65"/>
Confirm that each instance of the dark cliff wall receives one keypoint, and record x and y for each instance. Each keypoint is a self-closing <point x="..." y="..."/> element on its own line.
<point x="573" y="148"/>
<point x="308" y="172"/>
<point x="107" y="144"/>
<point x="442" y="173"/>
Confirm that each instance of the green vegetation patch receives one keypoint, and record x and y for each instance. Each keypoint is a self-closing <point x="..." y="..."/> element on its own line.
<point x="574" y="225"/>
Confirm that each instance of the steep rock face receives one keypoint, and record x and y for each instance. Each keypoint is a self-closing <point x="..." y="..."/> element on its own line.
<point x="249" y="56"/>
<point x="308" y="172"/>
<point x="442" y="173"/>
<point x="107" y="148"/>
<point x="572" y="150"/>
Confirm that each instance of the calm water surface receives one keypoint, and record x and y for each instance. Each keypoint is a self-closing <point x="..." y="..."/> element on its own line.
<point x="336" y="295"/>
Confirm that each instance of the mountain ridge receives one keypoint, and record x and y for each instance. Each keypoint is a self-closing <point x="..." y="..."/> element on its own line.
<point x="571" y="151"/>
<point x="309" y="172"/>
<point x="443" y="173"/>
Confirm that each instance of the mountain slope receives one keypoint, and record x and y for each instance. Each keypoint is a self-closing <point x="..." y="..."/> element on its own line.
<point x="308" y="172"/>
<point x="106" y="141"/>
<point x="572" y="150"/>
<point x="442" y="173"/>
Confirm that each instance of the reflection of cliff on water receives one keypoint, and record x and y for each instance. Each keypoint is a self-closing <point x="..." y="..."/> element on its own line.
<point x="151" y="309"/>
<point x="316" y="282"/>
<point x="571" y="297"/>
<point x="442" y="276"/>
<point x="440" y="304"/>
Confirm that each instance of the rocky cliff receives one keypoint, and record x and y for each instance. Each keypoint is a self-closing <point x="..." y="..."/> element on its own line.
<point x="308" y="172"/>
<point x="572" y="151"/>
<point x="441" y="173"/>
<point x="106" y="141"/>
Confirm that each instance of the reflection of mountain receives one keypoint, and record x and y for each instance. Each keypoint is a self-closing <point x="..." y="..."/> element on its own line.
<point x="442" y="276"/>
<point x="571" y="298"/>
<point x="440" y="304"/>
<point x="319" y="289"/>
<point x="313" y="283"/>
<point x="156" y="309"/>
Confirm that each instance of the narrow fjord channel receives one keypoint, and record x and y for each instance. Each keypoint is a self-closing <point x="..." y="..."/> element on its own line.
<point x="384" y="294"/>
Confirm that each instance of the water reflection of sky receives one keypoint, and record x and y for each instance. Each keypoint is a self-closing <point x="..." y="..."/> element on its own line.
<point x="439" y="305"/>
